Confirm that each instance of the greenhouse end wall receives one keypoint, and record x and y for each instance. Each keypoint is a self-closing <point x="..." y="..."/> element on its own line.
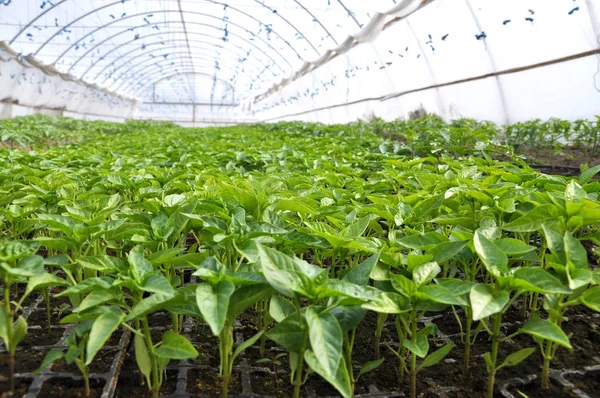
<point x="503" y="61"/>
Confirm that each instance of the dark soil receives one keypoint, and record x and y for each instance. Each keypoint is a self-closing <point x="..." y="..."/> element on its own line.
<point x="533" y="389"/>
<point x="42" y="337"/>
<point x="69" y="388"/>
<point x="264" y="383"/>
<point x="25" y="361"/>
<point x="40" y="317"/>
<point x="208" y="383"/>
<point x="588" y="382"/>
<point x="21" y="387"/>
<point x="129" y="385"/>
<point x="160" y="319"/>
<point x="101" y="364"/>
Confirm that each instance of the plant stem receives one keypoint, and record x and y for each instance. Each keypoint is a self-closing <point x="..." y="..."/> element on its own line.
<point x="47" y="300"/>
<point x="413" y="356"/>
<point x="9" y="332"/>
<point x="380" y="321"/>
<point x="155" y="387"/>
<point x="547" y="354"/>
<point x="494" y="356"/>
<point x="298" y="375"/>
<point x="469" y="323"/>
<point x="226" y="351"/>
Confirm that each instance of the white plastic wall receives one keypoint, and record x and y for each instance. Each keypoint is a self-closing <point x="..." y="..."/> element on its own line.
<point x="421" y="60"/>
<point x="35" y="90"/>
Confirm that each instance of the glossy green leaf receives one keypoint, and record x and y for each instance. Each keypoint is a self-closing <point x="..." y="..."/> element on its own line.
<point x="545" y="330"/>
<point x="491" y="255"/>
<point x="175" y="346"/>
<point x="485" y="302"/>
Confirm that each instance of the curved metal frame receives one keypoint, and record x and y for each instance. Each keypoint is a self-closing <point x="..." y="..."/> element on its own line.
<point x="129" y="83"/>
<point x="132" y="69"/>
<point x="129" y="60"/>
<point x="168" y="12"/>
<point x="146" y="53"/>
<point x="132" y="83"/>
<point x="120" y="2"/>
<point x="101" y="58"/>
<point x="136" y="90"/>
<point x="151" y="85"/>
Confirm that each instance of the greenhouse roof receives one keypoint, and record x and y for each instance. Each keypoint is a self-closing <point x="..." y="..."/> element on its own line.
<point x="127" y="46"/>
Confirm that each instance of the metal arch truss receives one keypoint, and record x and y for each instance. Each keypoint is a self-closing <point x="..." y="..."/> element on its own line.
<point x="138" y="87"/>
<point x="128" y="84"/>
<point x="131" y="70"/>
<point x="103" y="57"/>
<point x="161" y="23"/>
<point x="54" y="6"/>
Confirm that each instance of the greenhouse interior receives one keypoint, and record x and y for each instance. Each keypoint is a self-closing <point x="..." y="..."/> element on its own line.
<point x="300" y="198"/>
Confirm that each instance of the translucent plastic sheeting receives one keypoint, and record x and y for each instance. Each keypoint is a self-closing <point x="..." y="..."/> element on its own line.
<point x="118" y="43"/>
<point x="28" y="88"/>
<point x="503" y="61"/>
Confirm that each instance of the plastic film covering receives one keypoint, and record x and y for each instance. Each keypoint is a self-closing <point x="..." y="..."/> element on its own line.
<point x="504" y="61"/>
<point x="227" y="61"/>
<point x="175" y="53"/>
<point x="28" y="86"/>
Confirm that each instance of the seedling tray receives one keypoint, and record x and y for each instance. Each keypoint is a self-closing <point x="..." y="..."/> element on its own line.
<point x="103" y="384"/>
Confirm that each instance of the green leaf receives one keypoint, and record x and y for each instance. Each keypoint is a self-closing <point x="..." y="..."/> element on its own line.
<point x="43" y="281"/>
<point x="591" y="298"/>
<point x="142" y="357"/>
<point x="493" y="257"/>
<point x="175" y="346"/>
<point x="533" y="220"/>
<point x="96" y="298"/>
<point x="27" y="267"/>
<point x="425" y="273"/>
<point x="436" y="356"/>
<point x="555" y="243"/>
<point x="19" y="332"/>
<point x="51" y="356"/>
<point x="420" y="347"/>
<point x="287" y="274"/>
<point x="428" y="206"/>
<point x="14" y="250"/>
<point x="57" y="222"/>
<point x="280" y="308"/>
<point x="574" y="192"/>
<point x="151" y="304"/>
<point x="513" y="247"/>
<point x="290" y="334"/>
<point x="587" y="175"/>
<point x="140" y="266"/>
<point x="157" y="283"/>
<point x="539" y="280"/>
<point x="246" y="344"/>
<point x="341" y="379"/>
<point x="348" y="317"/>
<point x="101" y="330"/>
<point x="4" y="327"/>
<point x="326" y="338"/>
<point x="446" y="250"/>
<point x="245" y="296"/>
<point x="387" y="303"/>
<point x="214" y="304"/>
<point x="516" y="357"/>
<point x="369" y="366"/>
<point x="485" y="303"/>
<point x="546" y="330"/>
<point x="575" y="251"/>
<point x="359" y="275"/>
<point x="438" y="294"/>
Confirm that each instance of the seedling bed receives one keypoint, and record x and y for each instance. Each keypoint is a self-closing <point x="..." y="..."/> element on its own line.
<point x="59" y="379"/>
